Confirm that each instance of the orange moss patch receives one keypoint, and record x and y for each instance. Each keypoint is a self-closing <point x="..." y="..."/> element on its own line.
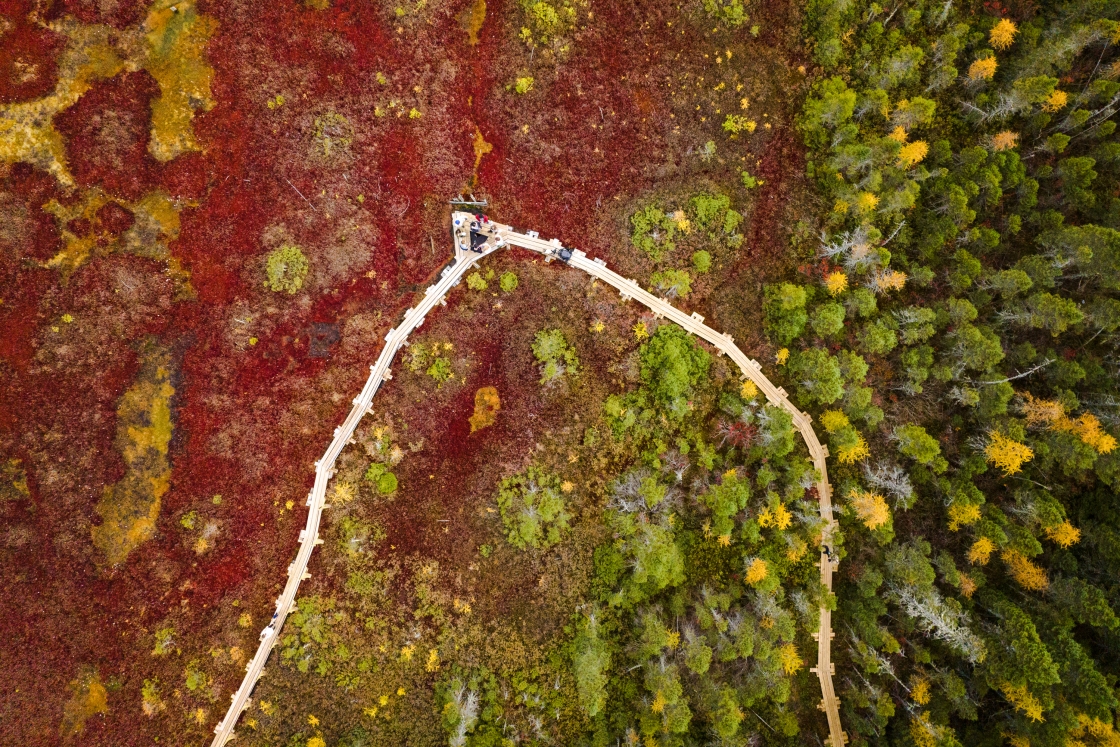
<point x="89" y="699"/>
<point x="486" y="407"/>
<point x="155" y="225"/>
<point x="476" y="16"/>
<point x="481" y="148"/>
<point x="129" y="508"/>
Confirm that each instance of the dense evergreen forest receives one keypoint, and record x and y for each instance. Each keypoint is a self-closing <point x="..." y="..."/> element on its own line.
<point x="957" y="329"/>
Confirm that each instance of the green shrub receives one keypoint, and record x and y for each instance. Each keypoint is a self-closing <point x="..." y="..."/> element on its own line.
<point x="356" y="537"/>
<point x="672" y="282"/>
<point x="828" y="319"/>
<point x="333" y="134"/>
<point x="914" y="442"/>
<point x="736" y="123"/>
<point x="189" y="520"/>
<point x="555" y="356"/>
<point x="818" y="375"/>
<point x="545" y="22"/>
<point x="785" y="311"/>
<point x="731" y="13"/>
<point x="475" y="281"/>
<point x="195" y="678"/>
<point x="709" y="210"/>
<point x="861" y="302"/>
<point x="701" y="261"/>
<point x="384" y="481"/>
<point x="878" y="338"/>
<point x="591" y="663"/>
<point x="286" y="269"/>
<point x="532" y="509"/>
<point x="523" y="85"/>
<point x="508" y="282"/>
<point x="672" y="363"/>
<point x="653" y="232"/>
<point x="440" y="370"/>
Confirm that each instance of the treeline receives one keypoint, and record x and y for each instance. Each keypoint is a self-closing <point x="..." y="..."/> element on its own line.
<point x="955" y="334"/>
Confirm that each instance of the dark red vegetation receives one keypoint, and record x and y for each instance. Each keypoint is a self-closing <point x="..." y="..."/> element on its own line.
<point x="253" y="407"/>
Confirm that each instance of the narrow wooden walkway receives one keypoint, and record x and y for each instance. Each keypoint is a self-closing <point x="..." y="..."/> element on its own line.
<point x="498" y="236"/>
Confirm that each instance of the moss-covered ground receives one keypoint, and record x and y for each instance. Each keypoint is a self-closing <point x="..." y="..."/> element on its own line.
<point x="152" y="157"/>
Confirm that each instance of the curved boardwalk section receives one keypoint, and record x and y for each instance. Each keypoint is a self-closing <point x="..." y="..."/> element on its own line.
<point x="475" y="239"/>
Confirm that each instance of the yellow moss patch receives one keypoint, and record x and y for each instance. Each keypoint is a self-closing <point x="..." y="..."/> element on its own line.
<point x="834" y="420"/>
<point x="854" y="453"/>
<point x="169" y="45"/>
<point x="481" y="148"/>
<point x="981" y="551"/>
<point x="1003" y="33"/>
<point x="836" y="282"/>
<point x="343" y="493"/>
<point x="13" y="481"/>
<point x="476" y="16"/>
<point x="913" y="153"/>
<point x="791" y="660"/>
<point x="27" y="132"/>
<point x="867" y="201"/>
<point x="129" y="508"/>
<point x="486" y="407"/>
<point x="175" y="37"/>
<point x="779" y="517"/>
<point x="1089" y="430"/>
<point x="748" y="390"/>
<point x="1042" y="412"/>
<point x="1052" y="414"/>
<point x="963" y="514"/>
<point x="77" y="249"/>
<point x="890" y="280"/>
<point x="1004" y="140"/>
<point x="982" y="69"/>
<point x="89" y="699"/>
<point x="1056" y="101"/>
<point x="155" y="225"/>
<point x="925" y="733"/>
<point x="920" y="692"/>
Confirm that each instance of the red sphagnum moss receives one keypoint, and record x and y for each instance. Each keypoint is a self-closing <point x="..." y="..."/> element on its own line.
<point x="256" y="380"/>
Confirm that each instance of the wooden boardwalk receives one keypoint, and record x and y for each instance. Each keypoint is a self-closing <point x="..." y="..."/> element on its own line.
<point x="498" y="236"/>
